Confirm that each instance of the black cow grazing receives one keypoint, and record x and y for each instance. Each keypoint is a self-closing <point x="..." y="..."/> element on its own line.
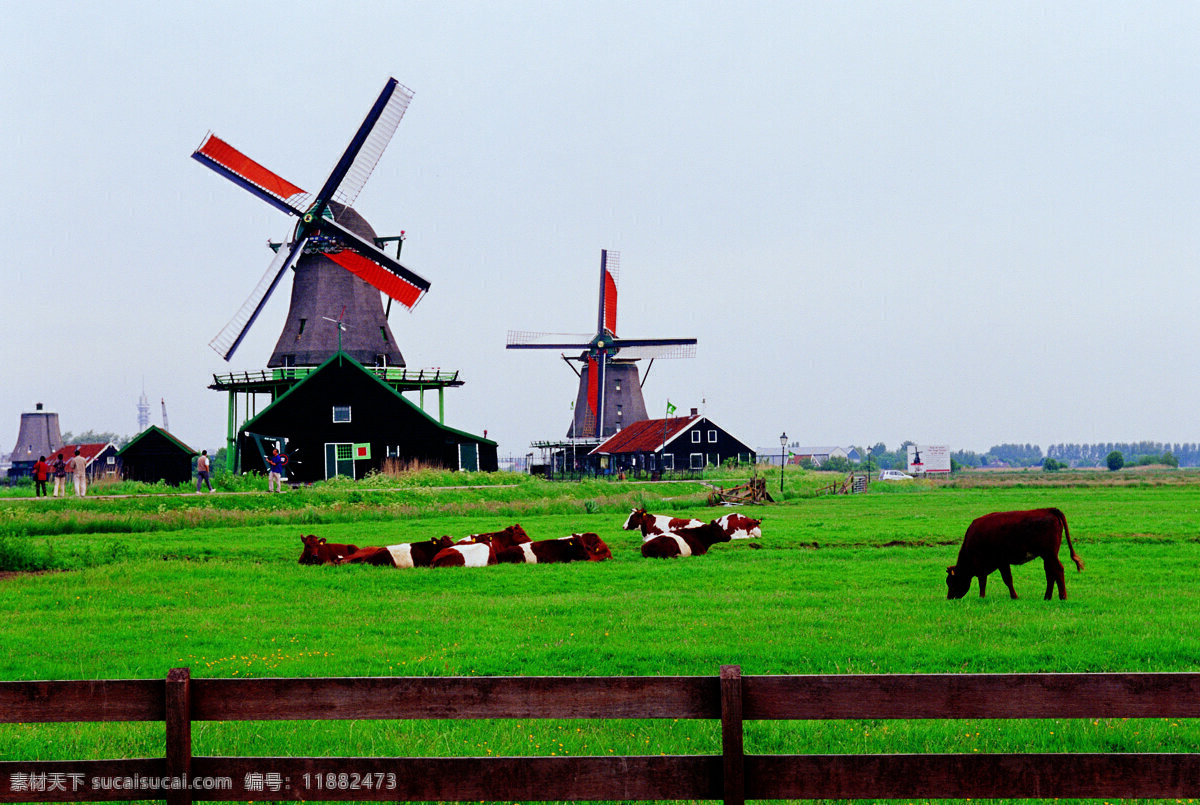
<point x="1002" y="539"/>
<point x="693" y="541"/>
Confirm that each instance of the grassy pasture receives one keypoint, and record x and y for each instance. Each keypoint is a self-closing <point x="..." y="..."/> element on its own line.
<point x="847" y="584"/>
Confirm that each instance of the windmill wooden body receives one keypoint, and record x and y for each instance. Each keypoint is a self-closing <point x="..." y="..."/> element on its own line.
<point x="610" y="389"/>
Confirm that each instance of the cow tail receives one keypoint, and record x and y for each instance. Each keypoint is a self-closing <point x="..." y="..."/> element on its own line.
<point x="1062" y="518"/>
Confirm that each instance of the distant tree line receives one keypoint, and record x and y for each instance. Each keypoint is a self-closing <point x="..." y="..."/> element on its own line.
<point x="1063" y="456"/>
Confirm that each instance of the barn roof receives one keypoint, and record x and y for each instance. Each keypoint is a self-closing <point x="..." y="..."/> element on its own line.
<point x="647" y="436"/>
<point x="88" y="451"/>
<point x="164" y="434"/>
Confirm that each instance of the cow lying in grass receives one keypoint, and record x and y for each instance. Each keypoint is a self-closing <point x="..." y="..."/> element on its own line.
<point x="999" y="540"/>
<point x="691" y="541"/>
<point x="654" y="525"/>
<point x="739" y="526"/>
<point x="587" y="547"/>
<point x="480" y="550"/>
<point x="405" y="555"/>
<point x="319" y="552"/>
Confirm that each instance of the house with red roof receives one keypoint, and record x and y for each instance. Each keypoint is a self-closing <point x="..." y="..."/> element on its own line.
<point x="102" y="460"/>
<point x="684" y="443"/>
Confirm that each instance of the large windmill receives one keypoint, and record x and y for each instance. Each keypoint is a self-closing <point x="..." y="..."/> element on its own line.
<point x="338" y="263"/>
<point x="610" y="391"/>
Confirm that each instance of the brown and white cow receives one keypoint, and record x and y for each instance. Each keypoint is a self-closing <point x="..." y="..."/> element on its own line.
<point x="586" y="547"/>
<point x="405" y="555"/>
<point x="739" y="526"/>
<point x="692" y="541"/>
<point x="466" y="554"/>
<point x="999" y="540"/>
<point x="319" y="552"/>
<point x="653" y="525"/>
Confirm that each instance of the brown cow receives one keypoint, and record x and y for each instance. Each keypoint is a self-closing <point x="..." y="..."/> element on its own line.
<point x="577" y="547"/>
<point x="509" y="537"/>
<point x="319" y="552"/>
<point x="1002" y="539"/>
<point x="408" y="554"/>
<point x="693" y="541"/>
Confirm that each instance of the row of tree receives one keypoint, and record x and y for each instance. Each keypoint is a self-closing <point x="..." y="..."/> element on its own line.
<point x="1063" y="455"/>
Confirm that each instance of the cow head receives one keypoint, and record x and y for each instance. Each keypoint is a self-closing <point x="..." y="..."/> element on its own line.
<point x="957" y="584"/>
<point x="634" y="522"/>
<point x="596" y="549"/>
<point x="313" y="553"/>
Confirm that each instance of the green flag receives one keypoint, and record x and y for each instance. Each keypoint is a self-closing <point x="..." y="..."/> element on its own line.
<point x="670" y="409"/>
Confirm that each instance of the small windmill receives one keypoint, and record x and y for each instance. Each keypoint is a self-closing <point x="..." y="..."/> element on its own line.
<point x="610" y="392"/>
<point x="330" y="239"/>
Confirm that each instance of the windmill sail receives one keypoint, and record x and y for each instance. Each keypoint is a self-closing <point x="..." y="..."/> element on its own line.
<point x="227" y="341"/>
<point x="231" y="163"/>
<point x="372" y="139"/>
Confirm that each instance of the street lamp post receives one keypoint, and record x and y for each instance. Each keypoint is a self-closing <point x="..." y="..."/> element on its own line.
<point x="782" y="458"/>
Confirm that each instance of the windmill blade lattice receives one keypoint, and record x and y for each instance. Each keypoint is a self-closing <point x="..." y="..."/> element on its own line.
<point x="227" y="341"/>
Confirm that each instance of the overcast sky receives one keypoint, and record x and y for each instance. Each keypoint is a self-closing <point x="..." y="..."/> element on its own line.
<point x="957" y="223"/>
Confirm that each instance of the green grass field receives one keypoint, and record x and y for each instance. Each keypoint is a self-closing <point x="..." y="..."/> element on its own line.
<point x="841" y="584"/>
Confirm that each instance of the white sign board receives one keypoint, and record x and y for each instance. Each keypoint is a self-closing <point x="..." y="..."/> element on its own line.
<point x="930" y="459"/>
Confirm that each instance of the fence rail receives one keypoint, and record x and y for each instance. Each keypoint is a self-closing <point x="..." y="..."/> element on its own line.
<point x="731" y="776"/>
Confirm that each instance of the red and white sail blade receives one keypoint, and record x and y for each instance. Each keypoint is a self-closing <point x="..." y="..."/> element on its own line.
<point x="227" y="341"/>
<point x="610" y="263"/>
<point x="231" y="163"/>
<point x="368" y="262"/>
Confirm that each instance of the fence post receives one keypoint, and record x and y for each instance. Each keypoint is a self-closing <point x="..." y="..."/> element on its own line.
<point x="179" y="733"/>
<point x="732" y="749"/>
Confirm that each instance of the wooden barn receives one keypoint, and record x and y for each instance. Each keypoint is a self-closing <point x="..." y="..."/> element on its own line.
<point x="155" y="455"/>
<point x="692" y="442"/>
<point x="343" y="419"/>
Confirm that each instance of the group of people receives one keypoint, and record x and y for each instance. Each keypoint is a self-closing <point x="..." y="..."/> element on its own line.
<point x="58" y="469"/>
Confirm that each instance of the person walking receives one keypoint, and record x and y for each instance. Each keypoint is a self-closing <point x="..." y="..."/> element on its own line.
<point x="59" y="468"/>
<point x="78" y="467"/>
<point x="202" y="472"/>
<point x="41" y="471"/>
<point x="275" y="476"/>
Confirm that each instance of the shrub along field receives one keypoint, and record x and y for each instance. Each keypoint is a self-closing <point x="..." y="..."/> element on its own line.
<point x="841" y="584"/>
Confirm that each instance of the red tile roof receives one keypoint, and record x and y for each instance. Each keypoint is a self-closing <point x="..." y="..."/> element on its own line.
<point x="647" y="436"/>
<point x="88" y="451"/>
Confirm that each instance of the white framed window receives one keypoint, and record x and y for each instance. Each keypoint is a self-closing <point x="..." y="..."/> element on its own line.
<point x="712" y="437"/>
<point x="668" y="461"/>
<point x="695" y="437"/>
<point x="111" y="460"/>
<point x="696" y="461"/>
<point x="341" y="413"/>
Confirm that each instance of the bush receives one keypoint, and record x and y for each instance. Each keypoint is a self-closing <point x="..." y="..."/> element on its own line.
<point x="1115" y="461"/>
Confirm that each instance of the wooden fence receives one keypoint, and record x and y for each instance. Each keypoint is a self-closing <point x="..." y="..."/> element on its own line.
<point x="731" y="776"/>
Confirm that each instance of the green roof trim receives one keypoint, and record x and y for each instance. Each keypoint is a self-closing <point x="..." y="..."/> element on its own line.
<point x="168" y="436"/>
<point x="343" y="356"/>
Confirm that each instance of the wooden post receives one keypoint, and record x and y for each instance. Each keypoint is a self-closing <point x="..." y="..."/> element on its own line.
<point x="732" y="750"/>
<point x="179" y="733"/>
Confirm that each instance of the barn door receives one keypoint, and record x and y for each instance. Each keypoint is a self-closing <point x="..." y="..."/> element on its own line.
<point x="468" y="457"/>
<point x="339" y="459"/>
